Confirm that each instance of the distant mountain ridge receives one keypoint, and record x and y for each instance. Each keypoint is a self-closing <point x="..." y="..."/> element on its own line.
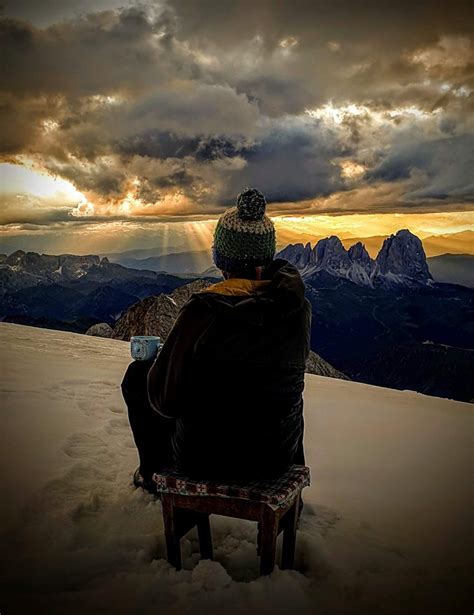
<point x="72" y="292"/>
<point x="400" y="262"/>
<point x="139" y="253"/>
<point x="22" y="269"/>
<point x="453" y="269"/>
<point x="193" y="261"/>
<point x="386" y="321"/>
<point x="382" y="321"/>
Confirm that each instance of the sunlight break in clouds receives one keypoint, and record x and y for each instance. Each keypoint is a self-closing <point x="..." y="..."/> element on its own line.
<point x="25" y="179"/>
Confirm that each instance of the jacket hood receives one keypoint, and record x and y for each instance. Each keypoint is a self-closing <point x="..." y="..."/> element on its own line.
<point x="278" y="294"/>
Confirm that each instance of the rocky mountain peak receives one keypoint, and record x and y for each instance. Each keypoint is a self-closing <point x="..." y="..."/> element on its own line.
<point x="15" y="257"/>
<point x="156" y="314"/>
<point x="305" y="255"/>
<point x="331" y="255"/>
<point x="358" y="254"/>
<point x="102" y="329"/>
<point x="402" y="259"/>
<point x="292" y="252"/>
<point x="50" y="267"/>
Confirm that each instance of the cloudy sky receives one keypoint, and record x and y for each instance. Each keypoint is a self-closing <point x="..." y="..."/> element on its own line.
<point x="128" y="124"/>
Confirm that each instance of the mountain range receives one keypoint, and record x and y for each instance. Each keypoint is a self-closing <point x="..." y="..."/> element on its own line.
<point x="450" y="268"/>
<point x="434" y="245"/>
<point x="386" y="321"/>
<point x="417" y="337"/>
<point x="187" y="262"/>
<point x="401" y="261"/>
<point x="381" y="320"/>
<point x="72" y="292"/>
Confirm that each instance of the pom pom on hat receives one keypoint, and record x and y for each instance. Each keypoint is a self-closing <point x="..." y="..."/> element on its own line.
<point x="251" y="204"/>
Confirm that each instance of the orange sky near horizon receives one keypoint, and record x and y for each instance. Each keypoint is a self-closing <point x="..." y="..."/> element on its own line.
<point x="34" y="191"/>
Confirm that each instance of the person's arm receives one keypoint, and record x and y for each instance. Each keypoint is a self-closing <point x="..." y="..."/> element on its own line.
<point x="168" y="378"/>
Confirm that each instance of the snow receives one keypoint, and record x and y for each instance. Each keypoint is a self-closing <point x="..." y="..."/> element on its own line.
<point x="171" y="300"/>
<point x="386" y="525"/>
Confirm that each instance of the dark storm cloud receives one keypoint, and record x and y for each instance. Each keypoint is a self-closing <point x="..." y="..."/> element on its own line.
<point x="292" y="161"/>
<point x="368" y="22"/>
<point x="104" y="178"/>
<point x="202" y="98"/>
<point x="341" y="48"/>
<point x="100" y="53"/>
<point x="445" y="167"/>
<point x="160" y="144"/>
<point x="50" y="11"/>
<point x="195" y="108"/>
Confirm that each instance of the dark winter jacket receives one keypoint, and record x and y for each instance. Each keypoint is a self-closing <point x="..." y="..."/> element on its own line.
<point x="231" y="373"/>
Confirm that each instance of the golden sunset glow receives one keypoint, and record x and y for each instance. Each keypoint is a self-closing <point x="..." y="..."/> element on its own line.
<point x="372" y="229"/>
<point x="26" y="179"/>
<point x="367" y="225"/>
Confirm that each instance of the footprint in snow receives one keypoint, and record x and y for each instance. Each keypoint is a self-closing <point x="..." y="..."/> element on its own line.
<point x="84" y="445"/>
<point x="318" y="518"/>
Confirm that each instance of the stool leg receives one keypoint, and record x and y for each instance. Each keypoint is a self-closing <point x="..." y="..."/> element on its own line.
<point x="205" y="538"/>
<point x="289" y="535"/>
<point x="259" y="538"/>
<point x="269" y="539"/>
<point x="173" y="547"/>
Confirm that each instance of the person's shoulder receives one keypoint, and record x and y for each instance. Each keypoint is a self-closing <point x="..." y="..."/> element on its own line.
<point x="194" y="307"/>
<point x="193" y="316"/>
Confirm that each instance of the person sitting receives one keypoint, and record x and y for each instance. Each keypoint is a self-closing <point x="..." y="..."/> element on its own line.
<point x="223" y="398"/>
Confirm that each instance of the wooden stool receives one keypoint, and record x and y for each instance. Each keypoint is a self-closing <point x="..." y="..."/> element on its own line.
<point x="273" y="504"/>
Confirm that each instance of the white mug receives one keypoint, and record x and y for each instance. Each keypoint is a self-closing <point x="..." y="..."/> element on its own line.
<point x="144" y="347"/>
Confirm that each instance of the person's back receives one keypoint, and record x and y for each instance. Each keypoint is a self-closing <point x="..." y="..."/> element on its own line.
<point x="232" y="370"/>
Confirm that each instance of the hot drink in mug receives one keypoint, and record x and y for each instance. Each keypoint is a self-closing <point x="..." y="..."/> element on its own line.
<point x="144" y="347"/>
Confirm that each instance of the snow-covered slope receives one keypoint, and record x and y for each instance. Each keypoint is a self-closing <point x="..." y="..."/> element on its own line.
<point x="385" y="528"/>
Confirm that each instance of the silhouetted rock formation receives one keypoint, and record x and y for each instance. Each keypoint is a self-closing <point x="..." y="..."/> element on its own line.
<point x="400" y="262"/>
<point x="101" y="329"/>
<point x="156" y="314"/>
<point x="316" y="365"/>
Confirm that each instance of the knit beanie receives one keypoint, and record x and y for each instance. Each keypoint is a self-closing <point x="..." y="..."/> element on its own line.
<point x="244" y="235"/>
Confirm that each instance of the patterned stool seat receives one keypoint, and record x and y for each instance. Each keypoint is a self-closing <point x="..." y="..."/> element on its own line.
<point x="274" y="504"/>
<point x="276" y="493"/>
